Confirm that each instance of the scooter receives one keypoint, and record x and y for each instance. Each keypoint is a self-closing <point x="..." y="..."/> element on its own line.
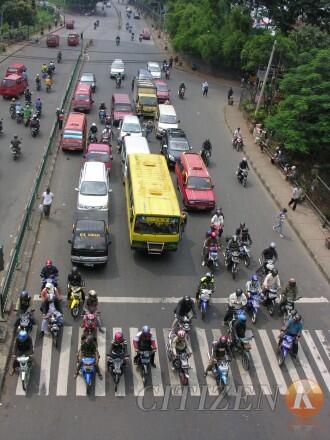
<point x="230" y="100"/>
<point x="16" y="152"/>
<point x="19" y="116"/>
<point x="54" y="325"/>
<point x="87" y="371"/>
<point x="204" y="301"/>
<point x="12" y="112"/>
<point x="269" y="300"/>
<point x="284" y="349"/>
<point x="242" y="177"/>
<point x="220" y="372"/>
<point x="34" y="131"/>
<point x="238" y="143"/>
<point x="181" y="92"/>
<point x="75" y="300"/>
<point x="144" y="365"/>
<point x="102" y="116"/>
<point x="25" y="366"/>
<point x="244" y="254"/>
<point x="212" y="259"/>
<point x="232" y="263"/>
<point x="206" y="156"/>
<point x="116" y="363"/>
<point x="253" y="305"/>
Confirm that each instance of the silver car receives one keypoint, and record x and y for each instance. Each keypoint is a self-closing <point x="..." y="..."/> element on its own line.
<point x="117" y="67"/>
<point x="155" y="70"/>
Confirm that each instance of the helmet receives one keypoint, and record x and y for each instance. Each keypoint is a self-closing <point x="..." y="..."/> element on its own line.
<point x="272" y="245"/>
<point x="242" y="317"/>
<point x="92" y="293"/>
<point x="37" y="75"/>
<point x="234" y="238"/>
<point x="254" y="278"/>
<point x="208" y="275"/>
<point x="181" y="334"/>
<point x="34" y="116"/>
<point x="297" y="317"/>
<point x="74" y="269"/>
<point x="223" y="339"/>
<point x="118" y="337"/>
<point x="51" y="296"/>
<point x="57" y="109"/>
<point x="49" y="286"/>
<point x="90" y="339"/>
<point x="218" y="211"/>
<point x="244" y="159"/>
<point x="293" y="313"/>
<point x="239" y="292"/>
<point x="93" y="125"/>
<point x="213" y="234"/>
<point x="145" y="330"/>
<point x="186" y="298"/>
<point x="293" y="167"/>
<point x="292" y="282"/>
<point x="49" y="263"/>
<point x="24" y="294"/>
<point x="15" y="137"/>
<point x="22" y="335"/>
<point x="274" y="272"/>
<point x="13" y="100"/>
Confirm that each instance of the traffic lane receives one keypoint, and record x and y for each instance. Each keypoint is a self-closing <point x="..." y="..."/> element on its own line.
<point x="18" y="177"/>
<point x="203" y="118"/>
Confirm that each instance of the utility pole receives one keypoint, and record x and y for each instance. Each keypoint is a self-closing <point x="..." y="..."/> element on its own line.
<point x="266" y="77"/>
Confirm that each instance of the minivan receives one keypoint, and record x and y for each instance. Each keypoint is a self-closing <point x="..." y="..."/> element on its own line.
<point x="120" y="107"/>
<point x="93" y="190"/>
<point x="138" y="145"/>
<point x="82" y="98"/>
<point x="75" y="132"/>
<point x="129" y="125"/>
<point x="166" y="119"/>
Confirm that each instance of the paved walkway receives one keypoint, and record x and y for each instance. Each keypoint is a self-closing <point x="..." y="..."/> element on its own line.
<point x="303" y="220"/>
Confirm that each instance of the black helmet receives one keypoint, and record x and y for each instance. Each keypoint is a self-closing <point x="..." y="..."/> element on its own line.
<point x="274" y="272"/>
<point x="186" y="298"/>
<point x="24" y="294"/>
<point x="90" y="339"/>
<point x="239" y="292"/>
<point x="292" y="282"/>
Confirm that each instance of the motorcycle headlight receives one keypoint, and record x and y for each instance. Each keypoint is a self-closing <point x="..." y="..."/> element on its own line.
<point x="172" y="158"/>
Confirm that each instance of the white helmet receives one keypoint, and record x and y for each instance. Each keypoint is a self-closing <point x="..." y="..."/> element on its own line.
<point x="49" y="286"/>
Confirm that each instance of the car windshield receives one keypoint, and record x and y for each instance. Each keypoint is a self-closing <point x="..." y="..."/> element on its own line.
<point x="11" y="70"/>
<point x="199" y="183"/>
<point x="148" y="100"/>
<point x="130" y="127"/>
<point x="179" y="145"/>
<point x="89" y="240"/>
<point x="118" y="65"/>
<point x="8" y="83"/>
<point x="82" y="97"/>
<point x="98" y="156"/>
<point x="93" y="189"/>
<point x="154" y="69"/>
<point x="168" y="119"/>
<point x="162" y="88"/>
<point x="156" y="225"/>
<point x="123" y="108"/>
<point x="87" y="78"/>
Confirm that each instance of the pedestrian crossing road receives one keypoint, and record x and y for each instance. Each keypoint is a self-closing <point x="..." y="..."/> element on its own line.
<point x="53" y="369"/>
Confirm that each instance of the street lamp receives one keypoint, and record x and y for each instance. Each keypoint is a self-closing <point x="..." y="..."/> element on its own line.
<point x="3" y="8"/>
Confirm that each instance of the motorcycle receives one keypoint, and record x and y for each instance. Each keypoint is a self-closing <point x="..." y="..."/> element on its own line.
<point x="54" y="325"/>
<point x="27" y="121"/>
<point x="127" y="26"/>
<point x="38" y="86"/>
<point x="118" y="82"/>
<point x="284" y="348"/>
<point x="242" y="346"/>
<point x="238" y="143"/>
<point x="25" y="366"/>
<point x="132" y="36"/>
<point x="262" y="270"/>
<point x="206" y="156"/>
<point x="242" y="177"/>
<point x="75" y="300"/>
<point x="181" y="92"/>
<point x="220" y="372"/>
<point x="102" y="116"/>
<point x="19" y="116"/>
<point x="89" y="323"/>
<point x="253" y="305"/>
<point x="48" y="88"/>
<point x="167" y="74"/>
<point x="204" y="301"/>
<point x="12" y="112"/>
<point x="1" y="126"/>
<point x="87" y="370"/>
<point x="117" y="41"/>
<point x="116" y="363"/>
<point x="16" y="152"/>
<point x="230" y="100"/>
<point x="25" y="321"/>
<point x="38" y="113"/>
<point x="232" y="262"/>
<point x="212" y="259"/>
<point x="184" y="323"/>
<point x="34" y="131"/>
<point x="181" y="364"/>
<point x="52" y="279"/>
<point x="269" y="300"/>
<point x="92" y="138"/>
<point x="59" y="57"/>
<point x="140" y="39"/>
<point x="144" y="364"/>
<point x="244" y="254"/>
<point x="286" y="307"/>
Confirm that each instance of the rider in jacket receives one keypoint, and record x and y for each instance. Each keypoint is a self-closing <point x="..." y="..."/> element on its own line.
<point x="290" y="292"/>
<point x="237" y="300"/>
<point x="92" y="301"/>
<point x="210" y="241"/>
<point x="88" y="348"/>
<point x="145" y="341"/>
<point x="243" y="165"/>
<point x="294" y="328"/>
<point x="49" y="270"/>
<point x="23" y="346"/>
<point x="179" y="344"/>
<point x="243" y="235"/>
<point x="270" y="253"/>
<point x="185" y="307"/>
<point x="220" y="350"/>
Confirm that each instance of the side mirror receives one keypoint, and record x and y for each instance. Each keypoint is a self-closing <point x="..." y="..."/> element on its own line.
<point x="110" y="190"/>
<point x="165" y="147"/>
<point x="179" y="121"/>
<point x="70" y="241"/>
<point x="76" y="189"/>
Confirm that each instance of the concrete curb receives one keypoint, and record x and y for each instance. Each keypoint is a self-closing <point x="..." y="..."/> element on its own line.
<point x="279" y="204"/>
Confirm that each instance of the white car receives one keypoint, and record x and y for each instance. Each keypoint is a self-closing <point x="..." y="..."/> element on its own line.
<point x="130" y="126"/>
<point x="117" y="67"/>
<point x="155" y="70"/>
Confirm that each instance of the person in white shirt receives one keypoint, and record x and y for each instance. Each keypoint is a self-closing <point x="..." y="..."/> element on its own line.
<point x="205" y="88"/>
<point x="296" y="193"/>
<point x="47" y="200"/>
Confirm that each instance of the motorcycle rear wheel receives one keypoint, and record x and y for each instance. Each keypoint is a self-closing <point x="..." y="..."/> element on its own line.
<point x="75" y="312"/>
<point x="247" y="261"/>
<point x="245" y="360"/>
<point x="280" y="358"/>
<point x="254" y="318"/>
<point x="233" y="273"/>
<point x="203" y="314"/>
<point x="183" y="379"/>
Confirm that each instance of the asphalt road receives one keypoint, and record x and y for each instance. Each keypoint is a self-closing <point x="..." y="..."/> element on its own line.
<point x="134" y="275"/>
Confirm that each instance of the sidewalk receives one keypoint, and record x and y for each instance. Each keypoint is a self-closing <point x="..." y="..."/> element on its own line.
<point x="303" y="220"/>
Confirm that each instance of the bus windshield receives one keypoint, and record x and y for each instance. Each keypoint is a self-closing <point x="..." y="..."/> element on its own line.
<point x="156" y="225"/>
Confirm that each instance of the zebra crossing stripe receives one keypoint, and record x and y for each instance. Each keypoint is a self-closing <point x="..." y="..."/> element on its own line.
<point x="317" y="357"/>
<point x="325" y="344"/>
<point x="101" y="345"/>
<point x="19" y="388"/>
<point x="231" y="383"/>
<point x="259" y="368"/>
<point x="246" y="379"/>
<point x="46" y="362"/>
<point x="176" y="387"/>
<point x="273" y="361"/>
<point x="156" y="373"/>
<point x="305" y="364"/>
<point x="288" y="361"/>
<point x="80" y="384"/>
<point x="137" y="380"/>
<point x="204" y="352"/>
<point x="64" y="363"/>
<point x="121" y="386"/>
<point x="193" y="380"/>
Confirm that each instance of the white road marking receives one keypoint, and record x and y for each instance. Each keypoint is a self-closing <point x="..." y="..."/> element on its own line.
<point x="137" y="379"/>
<point x="121" y="386"/>
<point x="305" y="364"/>
<point x="176" y="388"/>
<point x="46" y="361"/>
<point x="324" y="342"/>
<point x="101" y="344"/>
<point x="64" y="363"/>
<point x="317" y="357"/>
<point x="204" y="351"/>
<point x="260" y="370"/>
<point x="156" y="373"/>
<point x="19" y="388"/>
<point x="193" y="380"/>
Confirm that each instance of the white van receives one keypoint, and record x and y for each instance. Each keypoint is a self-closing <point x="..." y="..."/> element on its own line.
<point x="132" y="145"/>
<point x="129" y="125"/>
<point x="166" y="119"/>
<point x="93" y="190"/>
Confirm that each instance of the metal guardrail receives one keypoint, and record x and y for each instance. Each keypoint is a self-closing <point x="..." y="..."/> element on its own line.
<point x="9" y="273"/>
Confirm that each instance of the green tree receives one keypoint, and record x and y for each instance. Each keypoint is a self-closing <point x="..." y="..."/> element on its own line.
<point x="19" y="12"/>
<point x="309" y="37"/>
<point x="302" y="119"/>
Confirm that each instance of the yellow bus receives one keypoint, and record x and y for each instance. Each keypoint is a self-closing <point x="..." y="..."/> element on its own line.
<point x="153" y="211"/>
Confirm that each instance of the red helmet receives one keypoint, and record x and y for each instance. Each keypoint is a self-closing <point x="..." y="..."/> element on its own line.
<point x="223" y="339"/>
<point x="181" y="334"/>
<point x="213" y="234"/>
<point x="49" y="263"/>
<point x="118" y="337"/>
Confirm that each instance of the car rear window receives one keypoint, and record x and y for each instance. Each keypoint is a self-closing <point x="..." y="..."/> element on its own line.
<point x="123" y="107"/>
<point x="89" y="240"/>
<point x="93" y="189"/>
<point x="98" y="156"/>
<point x="199" y="183"/>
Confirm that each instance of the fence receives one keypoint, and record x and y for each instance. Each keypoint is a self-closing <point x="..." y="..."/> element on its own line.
<point x="9" y="273"/>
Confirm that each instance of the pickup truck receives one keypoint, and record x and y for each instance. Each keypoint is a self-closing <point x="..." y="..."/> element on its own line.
<point x="145" y="98"/>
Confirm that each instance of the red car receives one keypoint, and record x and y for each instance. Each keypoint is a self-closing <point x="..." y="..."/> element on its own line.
<point x="120" y="107"/>
<point x="99" y="153"/>
<point x="15" y="69"/>
<point x="12" y="86"/>
<point x="73" y="39"/>
<point x="145" y="34"/>
<point x="194" y="182"/>
<point x="163" y="93"/>
<point x="69" y="24"/>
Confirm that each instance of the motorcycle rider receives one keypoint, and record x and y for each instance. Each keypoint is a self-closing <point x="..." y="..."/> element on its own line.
<point x="238" y="329"/>
<point x="118" y="345"/>
<point x="49" y="307"/>
<point x="237" y="300"/>
<point x="92" y="301"/>
<point x="48" y="81"/>
<point x="232" y="246"/>
<point x="252" y="286"/>
<point x="185" y="307"/>
<point x="12" y="107"/>
<point x="15" y="144"/>
<point x="243" y="235"/>
<point x="230" y="93"/>
<point x="49" y="271"/>
<point x="271" y="281"/>
<point x="237" y="134"/>
<point x="243" y="166"/>
<point x="93" y="130"/>
<point x="209" y="242"/>
<point x="144" y="341"/>
<point x="290" y="292"/>
<point x="27" y="113"/>
<point x="118" y="40"/>
<point x="220" y="351"/>
<point x="102" y="106"/>
<point x="38" y="105"/>
<point x="178" y="345"/>
<point x="27" y="95"/>
<point x="23" y="346"/>
<point x="293" y="328"/>
<point x="59" y="56"/>
<point x="118" y="80"/>
<point x="24" y="302"/>
<point x="38" y="81"/>
<point x="217" y="221"/>
<point x="49" y="289"/>
<point x="182" y="87"/>
<point x="35" y="123"/>
<point x="269" y="253"/>
<point x="88" y="348"/>
<point x="206" y="282"/>
<point x="75" y="280"/>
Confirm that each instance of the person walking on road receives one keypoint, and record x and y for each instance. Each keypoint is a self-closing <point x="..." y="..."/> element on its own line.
<point x="60" y="118"/>
<point x="296" y="193"/>
<point x="133" y="84"/>
<point x="47" y="200"/>
<point x="205" y="88"/>
<point x="279" y="226"/>
<point x="183" y="222"/>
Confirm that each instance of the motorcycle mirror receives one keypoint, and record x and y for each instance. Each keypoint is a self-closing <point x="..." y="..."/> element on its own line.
<point x="76" y="189"/>
<point x="70" y="241"/>
<point x="110" y="190"/>
<point x="179" y="121"/>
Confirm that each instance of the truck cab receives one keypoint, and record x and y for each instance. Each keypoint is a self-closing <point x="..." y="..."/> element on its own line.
<point x="145" y="98"/>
